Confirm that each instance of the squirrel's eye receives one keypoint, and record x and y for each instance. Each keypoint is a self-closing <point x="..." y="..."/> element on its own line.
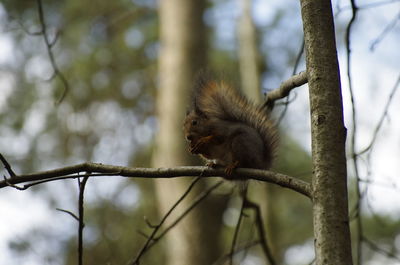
<point x="194" y="122"/>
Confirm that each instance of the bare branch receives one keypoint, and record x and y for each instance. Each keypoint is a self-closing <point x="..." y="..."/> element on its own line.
<point x="380" y="250"/>
<point x="7" y="166"/>
<point x="261" y="232"/>
<point x="288" y="99"/>
<point x="148" y="222"/>
<point x="389" y="27"/>
<point x="13" y="185"/>
<point x="285" y="88"/>
<point x="194" y="203"/>
<point x="353" y="153"/>
<point x="82" y="185"/>
<point x="224" y="258"/>
<point x="369" y="5"/>
<point x="69" y="212"/>
<point x="385" y="112"/>
<point x="157" y="227"/>
<point x="152" y="239"/>
<point x="101" y="170"/>
<point x="236" y="234"/>
<point x="237" y="228"/>
<point x="49" y="45"/>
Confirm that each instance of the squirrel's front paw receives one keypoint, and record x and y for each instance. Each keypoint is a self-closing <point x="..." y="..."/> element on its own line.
<point x="229" y="169"/>
<point x="211" y="164"/>
<point x="201" y="142"/>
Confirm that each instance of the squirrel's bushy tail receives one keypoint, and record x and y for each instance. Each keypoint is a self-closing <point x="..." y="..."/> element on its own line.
<point x="217" y="99"/>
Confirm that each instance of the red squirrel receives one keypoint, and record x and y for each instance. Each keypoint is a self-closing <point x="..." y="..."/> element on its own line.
<point x="227" y="129"/>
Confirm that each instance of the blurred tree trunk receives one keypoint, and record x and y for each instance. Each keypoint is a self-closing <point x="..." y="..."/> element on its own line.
<point x="330" y="203"/>
<point x="182" y="54"/>
<point x="250" y="69"/>
<point x="249" y="56"/>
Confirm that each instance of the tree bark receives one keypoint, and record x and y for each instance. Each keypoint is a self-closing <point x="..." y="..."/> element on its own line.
<point x="182" y="54"/>
<point x="330" y="203"/>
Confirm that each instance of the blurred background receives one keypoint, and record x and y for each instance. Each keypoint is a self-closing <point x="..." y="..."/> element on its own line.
<point x="110" y="83"/>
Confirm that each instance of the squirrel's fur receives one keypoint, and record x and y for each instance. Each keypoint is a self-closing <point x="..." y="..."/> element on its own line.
<point x="226" y="127"/>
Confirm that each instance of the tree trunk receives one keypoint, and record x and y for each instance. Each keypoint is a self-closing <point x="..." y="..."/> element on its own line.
<point x="249" y="65"/>
<point x="249" y="57"/>
<point x="182" y="53"/>
<point x="330" y="210"/>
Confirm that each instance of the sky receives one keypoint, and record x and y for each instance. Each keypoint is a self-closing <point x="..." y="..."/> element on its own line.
<point x="374" y="75"/>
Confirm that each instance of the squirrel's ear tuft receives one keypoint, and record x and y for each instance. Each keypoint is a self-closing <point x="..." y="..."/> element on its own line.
<point x="203" y="77"/>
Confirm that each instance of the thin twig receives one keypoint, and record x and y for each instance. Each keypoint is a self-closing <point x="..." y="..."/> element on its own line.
<point x="384" y="115"/>
<point x="75" y="176"/>
<point x="295" y="69"/>
<point x="353" y="152"/>
<point x="227" y="256"/>
<point x="69" y="212"/>
<point x="194" y="203"/>
<point x="380" y="250"/>
<point x="7" y="166"/>
<point x="6" y="180"/>
<point x="237" y="229"/>
<point x="82" y="185"/>
<point x="390" y="26"/>
<point x="152" y="239"/>
<point x="49" y="46"/>
<point x="157" y="227"/>
<point x="261" y="232"/>
<point x="370" y="5"/>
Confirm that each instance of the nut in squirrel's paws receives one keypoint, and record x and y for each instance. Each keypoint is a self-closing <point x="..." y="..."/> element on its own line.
<point x="199" y="144"/>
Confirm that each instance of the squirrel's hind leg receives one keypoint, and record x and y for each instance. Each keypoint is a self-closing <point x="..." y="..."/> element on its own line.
<point x="248" y="151"/>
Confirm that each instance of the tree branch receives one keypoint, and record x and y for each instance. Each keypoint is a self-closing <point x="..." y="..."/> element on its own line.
<point x="261" y="231"/>
<point x="237" y="228"/>
<point x="7" y="166"/>
<point x="158" y="226"/>
<point x="153" y="239"/>
<point x="69" y="212"/>
<point x="226" y="257"/>
<point x="110" y="170"/>
<point x="285" y="88"/>
<point x="49" y="45"/>
<point x="82" y="185"/>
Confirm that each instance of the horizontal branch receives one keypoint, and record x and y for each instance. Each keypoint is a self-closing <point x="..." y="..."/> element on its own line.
<point x="102" y="170"/>
<point x="284" y="89"/>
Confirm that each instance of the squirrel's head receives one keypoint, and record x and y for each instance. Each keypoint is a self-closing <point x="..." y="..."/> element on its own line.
<point x="195" y="127"/>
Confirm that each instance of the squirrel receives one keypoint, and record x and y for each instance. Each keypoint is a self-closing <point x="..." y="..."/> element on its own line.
<point x="228" y="130"/>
